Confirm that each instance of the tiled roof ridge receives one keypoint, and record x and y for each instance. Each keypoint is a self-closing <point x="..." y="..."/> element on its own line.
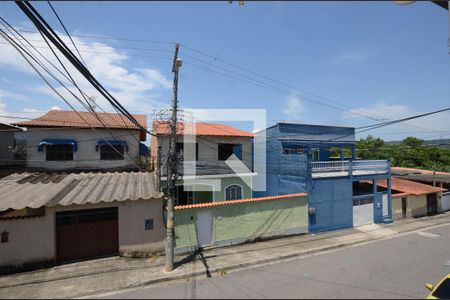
<point x="230" y="202"/>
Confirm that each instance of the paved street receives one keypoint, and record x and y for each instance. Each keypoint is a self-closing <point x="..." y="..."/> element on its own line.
<point x="392" y="268"/>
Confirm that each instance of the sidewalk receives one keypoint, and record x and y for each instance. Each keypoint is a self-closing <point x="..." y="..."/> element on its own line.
<point x="106" y="275"/>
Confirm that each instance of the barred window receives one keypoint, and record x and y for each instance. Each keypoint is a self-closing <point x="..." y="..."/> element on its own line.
<point x="111" y="152"/>
<point x="233" y="192"/>
<point x="59" y="152"/>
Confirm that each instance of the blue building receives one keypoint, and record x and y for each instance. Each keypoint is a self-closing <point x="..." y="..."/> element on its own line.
<point x="321" y="161"/>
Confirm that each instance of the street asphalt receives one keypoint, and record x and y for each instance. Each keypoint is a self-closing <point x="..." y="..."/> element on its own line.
<point x="397" y="267"/>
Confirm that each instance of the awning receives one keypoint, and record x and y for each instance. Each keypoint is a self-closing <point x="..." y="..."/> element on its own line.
<point x="57" y="142"/>
<point x="112" y="143"/>
<point x="143" y="149"/>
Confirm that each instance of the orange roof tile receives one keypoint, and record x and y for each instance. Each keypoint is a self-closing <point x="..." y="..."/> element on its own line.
<point x="202" y="129"/>
<point x="410" y="187"/>
<point x="419" y="170"/>
<point x="210" y="204"/>
<point x="83" y="119"/>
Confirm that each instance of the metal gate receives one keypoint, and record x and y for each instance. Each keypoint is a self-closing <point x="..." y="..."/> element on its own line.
<point x="204" y="228"/>
<point x="86" y="234"/>
<point x="385" y="209"/>
<point x="446" y="201"/>
<point x="363" y="212"/>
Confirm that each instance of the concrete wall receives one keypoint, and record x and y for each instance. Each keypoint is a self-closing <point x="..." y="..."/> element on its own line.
<point x="34" y="240"/>
<point x="6" y="153"/>
<point x="416" y="206"/>
<point x="86" y="157"/>
<point x="208" y="151"/>
<point x="242" y="222"/>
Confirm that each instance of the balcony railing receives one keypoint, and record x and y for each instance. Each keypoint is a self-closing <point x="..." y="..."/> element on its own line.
<point x="343" y="168"/>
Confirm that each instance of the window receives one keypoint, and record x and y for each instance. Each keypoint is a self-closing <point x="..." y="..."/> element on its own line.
<point x="112" y="152"/>
<point x="226" y="150"/>
<point x="315" y="154"/>
<point x="180" y="150"/>
<point x="233" y="192"/>
<point x="184" y="197"/>
<point x="288" y="151"/>
<point x="59" y="152"/>
<point x="148" y="224"/>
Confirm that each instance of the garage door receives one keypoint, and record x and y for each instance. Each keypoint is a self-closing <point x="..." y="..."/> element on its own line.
<point x="86" y="234"/>
<point x="362" y="211"/>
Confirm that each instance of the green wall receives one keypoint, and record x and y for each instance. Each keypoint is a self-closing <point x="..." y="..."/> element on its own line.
<point x="241" y="222"/>
<point x="219" y="194"/>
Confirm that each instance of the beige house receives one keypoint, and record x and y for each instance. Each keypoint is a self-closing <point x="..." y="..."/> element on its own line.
<point x="78" y="140"/>
<point x="413" y="199"/>
<point x="56" y="218"/>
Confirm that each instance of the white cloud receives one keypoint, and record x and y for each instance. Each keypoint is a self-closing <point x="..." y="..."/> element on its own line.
<point x="133" y="88"/>
<point x="293" y="107"/>
<point x="424" y="127"/>
<point x="55" y="108"/>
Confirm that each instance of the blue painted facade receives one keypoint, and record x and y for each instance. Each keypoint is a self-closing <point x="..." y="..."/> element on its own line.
<point x="290" y="150"/>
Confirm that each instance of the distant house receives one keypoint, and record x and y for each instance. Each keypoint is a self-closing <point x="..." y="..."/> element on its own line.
<point x="412" y="199"/>
<point x="321" y="161"/>
<point x="429" y="177"/>
<point x="60" y="217"/>
<point x="8" y="145"/>
<point x="214" y="144"/>
<point x="69" y="140"/>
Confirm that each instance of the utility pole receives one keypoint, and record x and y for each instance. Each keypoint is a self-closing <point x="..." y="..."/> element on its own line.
<point x="172" y="171"/>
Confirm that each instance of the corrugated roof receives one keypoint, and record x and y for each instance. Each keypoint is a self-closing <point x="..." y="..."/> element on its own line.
<point x="209" y="204"/>
<point x="202" y="129"/>
<point x="34" y="190"/>
<point x="410" y="187"/>
<point x="83" y="119"/>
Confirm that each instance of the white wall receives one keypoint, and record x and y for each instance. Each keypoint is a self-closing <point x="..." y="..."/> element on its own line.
<point x="86" y="157"/>
<point x="34" y="239"/>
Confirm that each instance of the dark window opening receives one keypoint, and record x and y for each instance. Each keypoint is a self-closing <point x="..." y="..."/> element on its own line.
<point x="226" y="150"/>
<point x="233" y="192"/>
<point x="59" y="152"/>
<point x="362" y="188"/>
<point x="180" y="150"/>
<point x="184" y="197"/>
<point x="148" y="224"/>
<point x="112" y="152"/>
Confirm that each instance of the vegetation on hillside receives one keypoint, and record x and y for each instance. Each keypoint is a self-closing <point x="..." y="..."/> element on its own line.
<point x="411" y="152"/>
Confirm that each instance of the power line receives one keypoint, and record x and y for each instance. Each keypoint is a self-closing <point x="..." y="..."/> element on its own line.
<point x="19" y="49"/>
<point x="113" y="38"/>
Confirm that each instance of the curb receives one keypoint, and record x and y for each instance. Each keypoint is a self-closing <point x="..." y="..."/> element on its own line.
<point x="261" y="261"/>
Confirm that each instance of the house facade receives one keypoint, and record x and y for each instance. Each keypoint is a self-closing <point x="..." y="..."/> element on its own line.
<point x="82" y="196"/>
<point x="321" y="161"/>
<point x="69" y="140"/>
<point x="204" y="153"/>
<point x="47" y="219"/>
<point x="412" y="199"/>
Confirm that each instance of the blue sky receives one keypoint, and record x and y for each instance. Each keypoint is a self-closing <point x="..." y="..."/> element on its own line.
<point x="374" y="58"/>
